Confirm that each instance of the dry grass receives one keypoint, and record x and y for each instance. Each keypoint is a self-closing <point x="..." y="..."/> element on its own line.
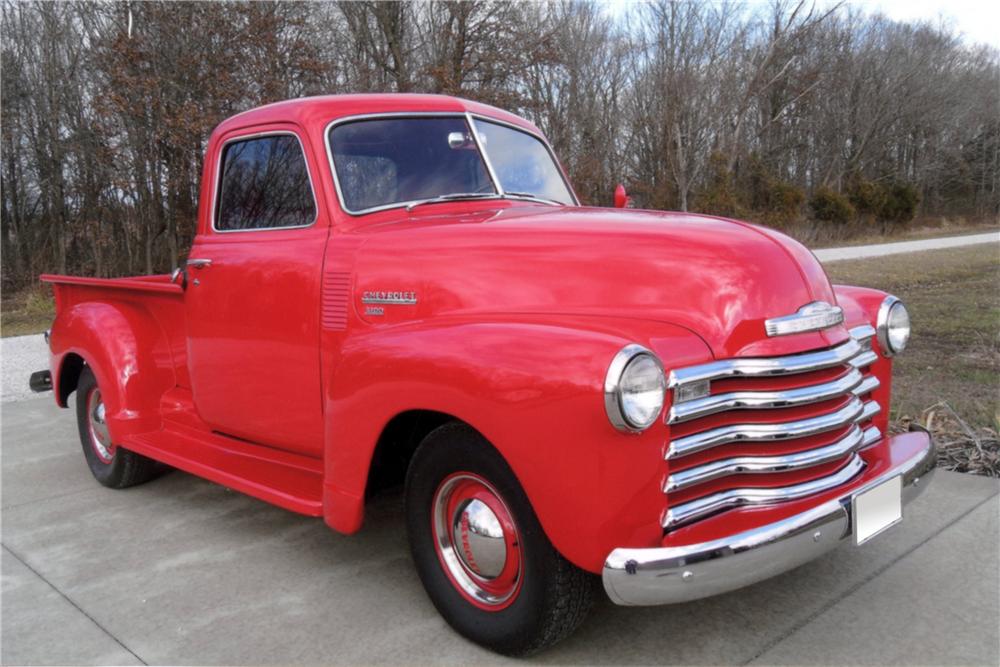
<point x="26" y="312"/>
<point x="948" y="380"/>
<point x="960" y="447"/>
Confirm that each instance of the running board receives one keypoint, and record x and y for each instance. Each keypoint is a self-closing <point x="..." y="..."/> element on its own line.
<point x="281" y="478"/>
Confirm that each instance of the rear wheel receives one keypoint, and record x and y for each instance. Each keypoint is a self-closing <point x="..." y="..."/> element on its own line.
<point x="111" y="465"/>
<point x="480" y="551"/>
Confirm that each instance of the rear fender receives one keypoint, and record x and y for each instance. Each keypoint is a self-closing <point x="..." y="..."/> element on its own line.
<point x="532" y="389"/>
<point x="127" y="352"/>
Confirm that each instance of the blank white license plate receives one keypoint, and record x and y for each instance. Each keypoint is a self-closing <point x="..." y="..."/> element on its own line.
<point x="877" y="509"/>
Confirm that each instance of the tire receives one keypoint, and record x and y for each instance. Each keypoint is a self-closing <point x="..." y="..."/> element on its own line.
<point x="517" y="603"/>
<point x="112" y="466"/>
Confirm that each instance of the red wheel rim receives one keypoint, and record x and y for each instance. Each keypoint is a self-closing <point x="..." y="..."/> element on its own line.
<point x="477" y="541"/>
<point x="97" y="427"/>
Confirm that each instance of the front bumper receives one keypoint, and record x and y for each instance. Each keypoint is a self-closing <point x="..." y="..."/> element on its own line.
<point x="666" y="575"/>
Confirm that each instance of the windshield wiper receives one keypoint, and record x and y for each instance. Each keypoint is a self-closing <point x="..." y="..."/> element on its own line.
<point x="450" y="197"/>
<point x="528" y="195"/>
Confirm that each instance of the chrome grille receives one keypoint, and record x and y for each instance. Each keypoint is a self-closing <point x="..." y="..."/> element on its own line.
<point x="842" y="410"/>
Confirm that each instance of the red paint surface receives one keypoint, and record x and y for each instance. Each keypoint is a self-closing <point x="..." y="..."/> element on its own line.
<point x="268" y="377"/>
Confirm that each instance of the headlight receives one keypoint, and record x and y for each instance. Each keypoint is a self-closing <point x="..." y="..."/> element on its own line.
<point x="893" y="326"/>
<point x="634" y="388"/>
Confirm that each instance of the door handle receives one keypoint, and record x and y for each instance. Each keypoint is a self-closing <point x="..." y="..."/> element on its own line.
<point x="199" y="263"/>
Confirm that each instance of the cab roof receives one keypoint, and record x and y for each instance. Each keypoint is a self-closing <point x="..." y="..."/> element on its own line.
<point x="309" y="111"/>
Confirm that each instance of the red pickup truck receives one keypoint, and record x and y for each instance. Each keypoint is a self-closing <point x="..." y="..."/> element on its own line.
<point x="391" y="289"/>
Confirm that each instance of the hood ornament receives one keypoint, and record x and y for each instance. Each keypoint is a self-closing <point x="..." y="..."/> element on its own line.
<point x="810" y="317"/>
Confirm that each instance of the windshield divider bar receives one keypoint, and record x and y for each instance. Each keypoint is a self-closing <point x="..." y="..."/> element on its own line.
<point x="482" y="152"/>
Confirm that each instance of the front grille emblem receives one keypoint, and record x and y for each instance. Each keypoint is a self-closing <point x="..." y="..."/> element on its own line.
<point x="810" y="317"/>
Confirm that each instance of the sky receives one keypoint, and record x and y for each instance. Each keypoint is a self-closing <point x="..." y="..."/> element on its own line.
<point x="977" y="20"/>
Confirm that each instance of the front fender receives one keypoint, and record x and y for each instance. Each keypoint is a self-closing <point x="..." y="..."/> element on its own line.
<point x="127" y="352"/>
<point x="861" y="306"/>
<point x="534" y="389"/>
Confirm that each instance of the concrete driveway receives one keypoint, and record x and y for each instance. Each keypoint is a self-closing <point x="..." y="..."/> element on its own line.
<point x="182" y="571"/>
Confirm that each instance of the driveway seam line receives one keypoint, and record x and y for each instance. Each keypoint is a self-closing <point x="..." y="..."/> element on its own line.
<point x="45" y="500"/>
<point x="850" y="591"/>
<point x="72" y="602"/>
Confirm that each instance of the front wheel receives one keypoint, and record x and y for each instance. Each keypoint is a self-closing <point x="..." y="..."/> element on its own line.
<point x="480" y="551"/>
<point x="111" y="465"/>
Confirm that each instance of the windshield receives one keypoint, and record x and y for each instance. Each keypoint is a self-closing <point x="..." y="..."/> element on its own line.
<point x="396" y="160"/>
<point x="522" y="162"/>
<point x="385" y="162"/>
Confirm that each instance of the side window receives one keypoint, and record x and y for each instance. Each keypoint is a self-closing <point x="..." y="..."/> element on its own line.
<point x="264" y="184"/>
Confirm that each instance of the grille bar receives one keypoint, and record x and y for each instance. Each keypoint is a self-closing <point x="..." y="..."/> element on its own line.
<point x="766" y="366"/>
<point x="870" y="383"/>
<point x="850" y="413"/>
<point x="702" y="507"/>
<point x="750" y="400"/>
<point x="863" y="332"/>
<point x="866" y="358"/>
<point x="854" y="440"/>
<point x="870" y="410"/>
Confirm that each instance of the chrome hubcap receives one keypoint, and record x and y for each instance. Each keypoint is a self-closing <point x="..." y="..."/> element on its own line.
<point x="100" y="438"/>
<point x="481" y="539"/>
<point x="477" y="540"/>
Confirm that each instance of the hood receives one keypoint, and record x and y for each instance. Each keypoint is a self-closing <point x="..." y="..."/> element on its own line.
<point x="718" y="278"/>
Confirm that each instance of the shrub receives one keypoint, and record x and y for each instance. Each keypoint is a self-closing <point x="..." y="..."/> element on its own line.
<point x="893" y="202"/>
<point x="830" y="206"/>
<point x="719" y="196"/>
<point x="776" y="200"/>
<point x="900" y="205"/>
<point x="785" y="200"/>
<point x="867" y="197"/>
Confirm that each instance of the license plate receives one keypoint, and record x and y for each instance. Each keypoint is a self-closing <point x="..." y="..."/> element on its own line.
<point x="877" y="509"/>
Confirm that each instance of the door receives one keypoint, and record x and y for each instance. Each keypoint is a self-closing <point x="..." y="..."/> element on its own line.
<point x="253" y="297"/>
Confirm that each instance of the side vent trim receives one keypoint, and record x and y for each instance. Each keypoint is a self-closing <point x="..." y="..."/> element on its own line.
<point x="336" y="298"/>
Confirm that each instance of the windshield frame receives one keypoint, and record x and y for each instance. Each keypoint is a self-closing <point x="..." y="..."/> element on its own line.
<point x="468" y="116"/>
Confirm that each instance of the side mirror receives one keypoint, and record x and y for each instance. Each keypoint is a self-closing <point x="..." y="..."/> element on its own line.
<point x="622" y="200"/>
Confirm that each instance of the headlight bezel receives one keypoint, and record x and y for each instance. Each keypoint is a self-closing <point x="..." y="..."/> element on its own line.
<point x="613" y="403"/>
<point x="882" y="326"/>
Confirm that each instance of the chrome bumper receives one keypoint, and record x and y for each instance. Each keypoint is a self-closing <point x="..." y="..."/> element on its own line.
<point x="666" y="575"/>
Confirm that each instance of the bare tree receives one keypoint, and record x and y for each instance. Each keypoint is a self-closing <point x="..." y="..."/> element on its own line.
<point x="732" y="107"/>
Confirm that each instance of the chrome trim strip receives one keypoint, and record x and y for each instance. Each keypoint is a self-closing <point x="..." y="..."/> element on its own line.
<point x="869" y="384"/>
<point x="871" y="435"/>
<point x="612" y="380"/>
<point x="810" y="317"/>
<point x="497" y="185"/>
<point x="749" y="400"/>
<point x="866" y="358"/>
<point x="217" y="185"/>
<point x="862" y="332"/>
<point x="702" y="507"/>
<point x="870" y="410"/>
<point x="684" y="479"/>
<point x="850" y="413"/>
<point x="766" y="366"/>
<point x="674" y="574"/>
